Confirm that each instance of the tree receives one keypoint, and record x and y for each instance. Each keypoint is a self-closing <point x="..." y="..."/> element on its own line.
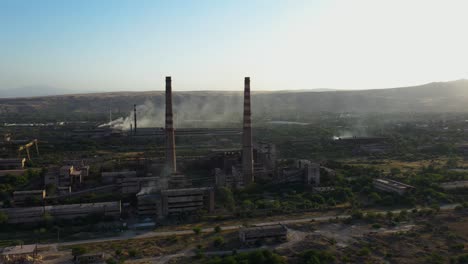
<point x="3" y="218"/>
<point x="51" y="189"/>
<point x="316" y="257"/>
<point x="217" y="229"/>
<point x="78" y="251"/>
<point x="197" y="230"/>
<point x="225" y="198"/>
<point x="218" y="241"/>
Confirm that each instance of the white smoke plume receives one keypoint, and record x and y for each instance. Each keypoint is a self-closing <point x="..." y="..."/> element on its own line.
<point x="197" y="110"/>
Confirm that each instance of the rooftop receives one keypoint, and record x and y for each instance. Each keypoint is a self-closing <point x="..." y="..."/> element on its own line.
<point x="18" y="250"/>
<point x="395" y="184"/>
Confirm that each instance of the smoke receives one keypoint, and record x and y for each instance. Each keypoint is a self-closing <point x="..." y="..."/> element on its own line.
<point x="188" y="112"/>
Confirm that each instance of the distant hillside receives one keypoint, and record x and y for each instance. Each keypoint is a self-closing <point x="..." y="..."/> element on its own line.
<point x="432" y="97"/>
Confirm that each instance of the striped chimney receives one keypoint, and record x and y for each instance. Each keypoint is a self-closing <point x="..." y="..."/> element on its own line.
<point x="247" y="148"/>
<point x="170" y="137"/>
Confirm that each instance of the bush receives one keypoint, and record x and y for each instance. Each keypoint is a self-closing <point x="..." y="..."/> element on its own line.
<point x="217" y="229"/>
<point x="77" y="251"/>
<point x="316" y="257"/>
<point x="133" y="253"/>
<point x="365" y="251"/>
<point x="197" y="230"/>
<point x="218" y="241"/>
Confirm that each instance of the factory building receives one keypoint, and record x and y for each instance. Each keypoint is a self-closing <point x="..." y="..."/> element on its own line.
<point x="69" y="211"/>
<point x="12" y="172"/>
<point x="52" y="176"/>
<point x="136" y="184"/>
<point x="12" y="164"/>
<point x="91" y="258"/>
<point x="79" y="165"/>
<point x="18" y="254"/>
<point x="164" y="203"/>
<point x="22" y="197"/>
<point x="387" y="185"/>
<point x="272" y="233"/>
<point x="148" y="204"/>
<point x="303" y="171"/>
<point x="113" y="177"/>
<point x="69" y="176"/>
<point x="178" y="201"/>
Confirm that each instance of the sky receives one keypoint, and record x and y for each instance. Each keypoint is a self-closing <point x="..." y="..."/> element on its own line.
<point x="114" y="45"/>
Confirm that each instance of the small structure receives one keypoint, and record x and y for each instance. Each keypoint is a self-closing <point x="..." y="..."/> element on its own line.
<point x="276" y="232"/>
<point x="392" y="186"/>
<point x="52" y="176"/>
<point x="22" y="197"/>
<point x="12" y="164"/>
<point x="91" y="258"/>
<point x="454" y="185"/>
<point x="16" y="254"/>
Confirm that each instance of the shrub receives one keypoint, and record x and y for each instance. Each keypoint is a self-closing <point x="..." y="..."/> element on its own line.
<point x="218" y="241"/>
<point x="197" y="230"/>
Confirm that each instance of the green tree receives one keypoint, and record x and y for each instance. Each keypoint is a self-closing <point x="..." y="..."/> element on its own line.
<point x="316" y="257"/>
<point x="225" y="198"/>
<point x="197" y="230"/>
<point x="78" y="251"/>
<point x="218" y="241"/>
<point x="3" y="218"/>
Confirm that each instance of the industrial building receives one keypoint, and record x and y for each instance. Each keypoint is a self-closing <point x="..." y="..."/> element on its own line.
<point x="52" y="176"/>
<point x="18" y="254"/>
<point x="12" y="172"/>
<point x="91" y="258"/>
<point x="147" y="204"/>
<point x="271" y="233"/>
<point x="22" y="197"/>
<point x="164" y="203"/>
<point x="69" y="175"/>
<point x="302" y="171"/>
<point x="178" y="201"/>
<point x="113" y="177"/>
<point x="12" y="164"/>
<point x="37" y="214"/>
<point x="387" y="185"/>
<point x="136" y="184"/>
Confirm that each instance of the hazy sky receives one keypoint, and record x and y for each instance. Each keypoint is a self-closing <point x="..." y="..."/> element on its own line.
<point x="205" y="45"/>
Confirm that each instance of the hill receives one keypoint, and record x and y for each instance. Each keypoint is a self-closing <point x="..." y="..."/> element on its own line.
<point x="433" y="97"/>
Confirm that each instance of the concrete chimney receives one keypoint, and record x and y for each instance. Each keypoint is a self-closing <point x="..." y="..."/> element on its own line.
<point x="134" y="119"/>
<point x="247" y="148"/>
<point x="170" y="137"/>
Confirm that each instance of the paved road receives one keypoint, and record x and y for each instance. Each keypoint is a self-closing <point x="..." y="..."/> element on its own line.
<point x="149" y="234"/>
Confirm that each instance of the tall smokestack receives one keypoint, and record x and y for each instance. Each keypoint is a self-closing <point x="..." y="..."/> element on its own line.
<point x="134" y="119"/>
<point x="170" y="137"/>
<point x="247" y="149"/>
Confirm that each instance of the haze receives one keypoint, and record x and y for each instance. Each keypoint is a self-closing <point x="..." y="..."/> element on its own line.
<point x="212" y="45"/>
